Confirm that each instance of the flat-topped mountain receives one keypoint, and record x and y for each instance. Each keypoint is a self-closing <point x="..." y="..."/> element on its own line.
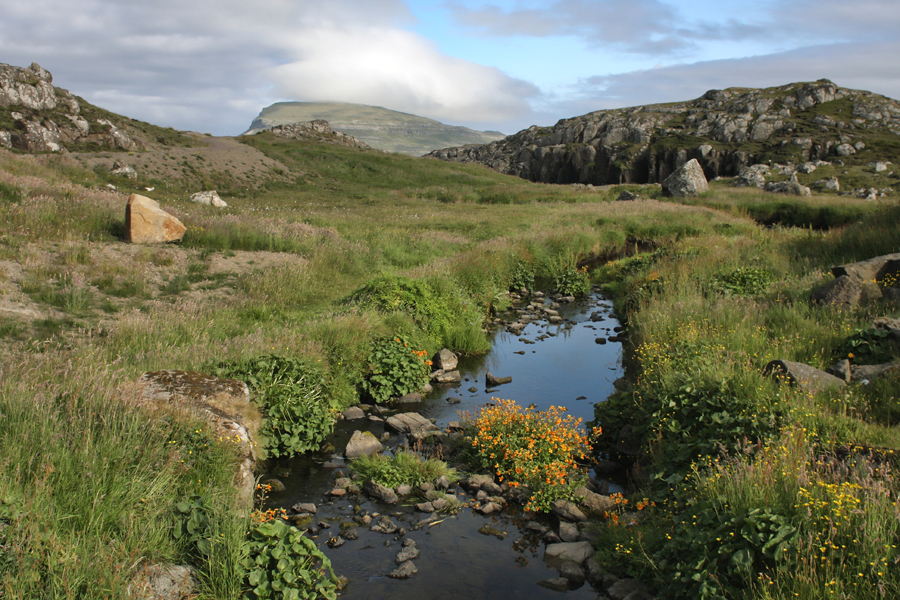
<point x="378" y="127"/>
<point x="725" y="130"/>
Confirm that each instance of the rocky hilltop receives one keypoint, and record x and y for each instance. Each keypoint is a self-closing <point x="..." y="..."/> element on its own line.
<point x="378" y="127"/>
<point x="35" y="116"/>
<point x="725" y="130"/>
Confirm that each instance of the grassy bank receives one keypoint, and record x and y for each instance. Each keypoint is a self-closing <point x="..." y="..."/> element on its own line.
<point x="352" y="247"/>
<point x="760" y="490"/>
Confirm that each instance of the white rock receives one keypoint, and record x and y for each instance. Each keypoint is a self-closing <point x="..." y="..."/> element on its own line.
<point x="210" y="198"/>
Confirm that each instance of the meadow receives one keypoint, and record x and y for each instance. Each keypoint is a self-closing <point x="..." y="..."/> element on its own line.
<point x="353" y="246"/>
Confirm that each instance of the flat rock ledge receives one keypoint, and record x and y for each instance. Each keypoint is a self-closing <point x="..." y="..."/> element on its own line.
<point x="807" y="378"/>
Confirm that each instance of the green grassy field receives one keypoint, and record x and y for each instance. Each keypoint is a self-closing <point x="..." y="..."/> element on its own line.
<point x="283" y="271"/>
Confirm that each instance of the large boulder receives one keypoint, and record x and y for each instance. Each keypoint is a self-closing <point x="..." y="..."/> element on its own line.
<point x="689" y="180"/>
<point x="872" y="270"/>
<point x="445" y="360"/>
<point x="412" y="424"/>
<point x="843" y="290"/>
<point x="807" y="378"/>
<point x="575" y="551"/>
<point x="147" y="223"/>
<point x="362" y="443"/>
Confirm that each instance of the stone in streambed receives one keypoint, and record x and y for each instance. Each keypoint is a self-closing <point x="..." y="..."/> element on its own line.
<point x="404" y="571"/>
<point x="492" y="381"/>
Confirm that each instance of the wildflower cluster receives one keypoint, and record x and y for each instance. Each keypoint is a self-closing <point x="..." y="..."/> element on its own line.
<point x="537" y="449"/>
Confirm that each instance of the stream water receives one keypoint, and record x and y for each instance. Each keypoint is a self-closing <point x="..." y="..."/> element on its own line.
<point x="550" y="365"/>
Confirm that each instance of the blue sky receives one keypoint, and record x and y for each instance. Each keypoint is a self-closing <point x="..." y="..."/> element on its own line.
<point x="212" y="65"/>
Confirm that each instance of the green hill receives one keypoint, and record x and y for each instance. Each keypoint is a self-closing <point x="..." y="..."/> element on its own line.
<point x="379" y="127"/>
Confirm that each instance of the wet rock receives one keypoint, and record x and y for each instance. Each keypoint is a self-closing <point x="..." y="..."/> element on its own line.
<point x="404" y="571"/>
<point x="442" y="482"/>
<point x="573" y="573"/>
<point x="489" y="508"/>
<point x="592" y="502"/>
<point x="447" y="377"/>
<point x="275" y="485"/>
<point x="536" y="527"/>
<point x="492" y="381"/>
<point x="410" y="398"/>
<point x="338" y="492"/>
<point x="384" y="525"/>
<point x="335" y="542"/>
<point x="304" y="507"/>
<point x="574" y="551"/>
<point x="425" y="507"/>
<point x="567" y="510"/>
<point x="408" y="553"/>
<point x="445" y="360"/>
<point x="491" y="530"/>
<point x="558" y="584"/>
<point x="600" y="341"/>
<point x="568" y="532"/>
<point x="362" y="443"/>
<point x="455" y="399"/>
<point x="353" y="413"/>
<point x="594" y="571"/>
<point x="626" y="587"/>
<point x="440" y="504"/>
<point x="411" y="423"/>
<point x="551" y="537"/>
<point x="803" y="376"/>
<point x="380" y="492"/>
<point x="474" y="482"/>
<point x="351" y="534"/>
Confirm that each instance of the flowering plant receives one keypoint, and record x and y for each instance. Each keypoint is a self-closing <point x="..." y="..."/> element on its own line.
<point x="395" y="369"/>
<point x="540" y="450"/>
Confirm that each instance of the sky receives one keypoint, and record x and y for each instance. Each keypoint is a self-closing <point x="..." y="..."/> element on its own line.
<point x="213" y="65"/>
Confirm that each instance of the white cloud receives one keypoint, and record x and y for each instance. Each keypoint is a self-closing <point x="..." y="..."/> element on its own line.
<point x="401" y="71"/>
<point x="203" y="64"/>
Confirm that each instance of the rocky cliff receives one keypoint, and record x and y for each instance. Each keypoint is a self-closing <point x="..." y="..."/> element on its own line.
<point x="35" y="116"/>
<point x="725" y="130"/>
<point x="378" y="127"/>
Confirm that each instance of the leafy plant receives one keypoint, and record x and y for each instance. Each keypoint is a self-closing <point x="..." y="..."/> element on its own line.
<point x="395" y="369"/>
<point x="712" y="555"/>
<point x="289" y="392"/>
<point x="522" y="277"/>
<point x="402" y="468"/>
<point x="540" y="450"/>
<point x="570" y="280"/>
<point x="192" y="526"/>
<point x="867" y="347"/>
<point x="744" y="281"/>
<point x="281" y="563"/>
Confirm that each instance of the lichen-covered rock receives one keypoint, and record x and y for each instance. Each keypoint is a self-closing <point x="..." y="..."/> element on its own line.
<point x="362" y="443"/>
<point x="689" y="180"/>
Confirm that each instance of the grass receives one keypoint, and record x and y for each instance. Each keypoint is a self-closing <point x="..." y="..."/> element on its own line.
<point x="708" y="295"/>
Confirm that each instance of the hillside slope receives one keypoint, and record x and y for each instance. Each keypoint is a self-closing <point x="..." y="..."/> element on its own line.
<point x="378" y="127"/>
<point x="725" y="130"/>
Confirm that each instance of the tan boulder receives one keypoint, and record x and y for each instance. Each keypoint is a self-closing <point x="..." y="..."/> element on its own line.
<point x="147" y="223"/>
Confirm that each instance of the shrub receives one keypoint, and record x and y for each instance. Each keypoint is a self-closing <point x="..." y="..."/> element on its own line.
<point x="289" y="392"/>
<point x="281" y="563"/>
<point x="570" y="280"/>
<point x="395" y="369"/>
<point x="522" y="277"/>
<point x="540" y="450"/>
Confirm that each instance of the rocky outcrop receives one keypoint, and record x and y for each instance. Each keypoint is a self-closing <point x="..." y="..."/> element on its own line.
<point x="860" y="282"/>
<point x="645" y="144"/>
<point x="47" y="118"/>
<point x="316" y="131"/>
<point x="223" y="403"/>
<point x="807" y="378"/>
<point x="147" y="223"/>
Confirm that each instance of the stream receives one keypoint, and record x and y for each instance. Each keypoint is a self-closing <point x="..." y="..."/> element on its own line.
<point x="550" y="365"/>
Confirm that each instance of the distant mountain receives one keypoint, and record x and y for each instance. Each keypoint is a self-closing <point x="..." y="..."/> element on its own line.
<point x="378" y="127"/>
<point x="725" y="130"/>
